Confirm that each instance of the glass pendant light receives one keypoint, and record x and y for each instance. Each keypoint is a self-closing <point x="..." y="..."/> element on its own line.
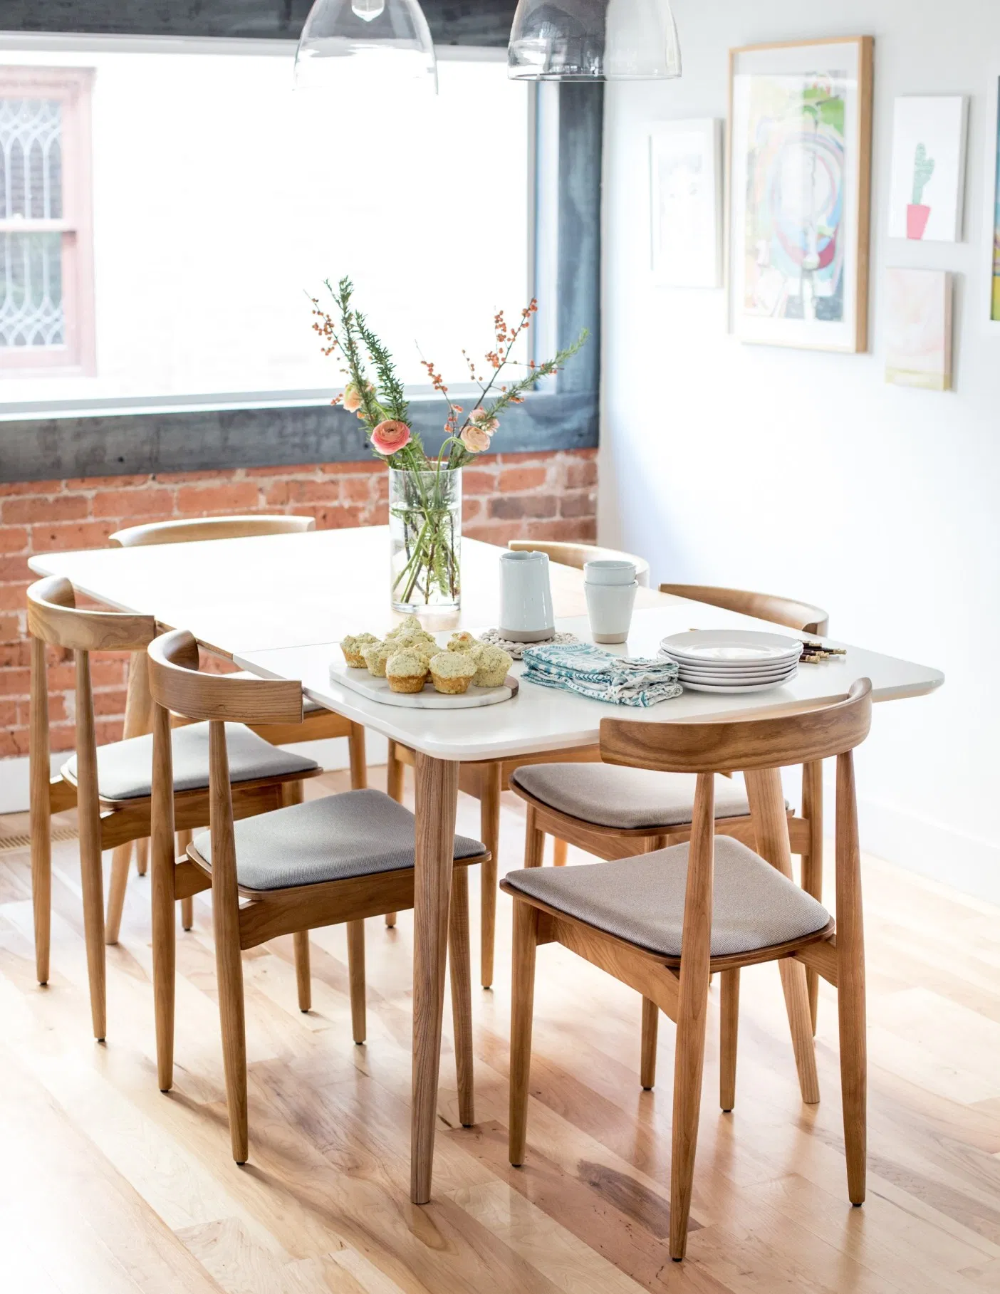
<point x="593" y="40"/>
<point x="348" y="42"/>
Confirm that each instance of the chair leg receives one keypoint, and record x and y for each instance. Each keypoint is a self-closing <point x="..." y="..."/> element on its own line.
<point x="489" y="829"/>
<point x="41" y="811"/>
<point x="163" y="898"/>
<point x="359" y="762"/>
<point x="187" y="904"/>
<point x="522" y="1009"/>
<point x="812" y="860"/>
<point x="229" y="967"/>
<point x="730" y="1023"/>
<point x="394" y="789"/>
<point x="302" y="976"/>
<point x="356" y="975"/>
<point x="650" y="1031"/>
<point x="560" y="849"/>
<point x="460" y="965"/>
<point x="851" y="982"/>
<point x="141" y="857"/>
<point x="91" y="878"/>
<point x="120" y="860"/>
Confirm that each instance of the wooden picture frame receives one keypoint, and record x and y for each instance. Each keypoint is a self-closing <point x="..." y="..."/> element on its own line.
<point x="799" y="208"/>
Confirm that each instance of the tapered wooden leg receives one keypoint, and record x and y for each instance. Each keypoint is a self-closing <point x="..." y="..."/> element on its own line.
<point x="302" y="976"/>
<point x="41" y="811"/>
<point x="121" y="857"/>
<point x="534" y="840"/>
<point x="489" y="831"/>
<point x="187" y="903"/>
<point x="851" y="982"/>
<point x="767" y="806"/>
<point x="138" y="719"/>
<point x="162" y="848"/>
<point x="650" y="1031"/>
<point x="560" y="849"/>
<point x="89" y="820"/>
<point x="521" y="1013"/>
<point x="141" y="857"/>
<point x="436" y="802"/>
<point x="460" y="962"/>
<point x="394" y="789"/>
<point x="692" y="1009"/>
<point x="359" y="762"/>
<point x="356" y="975"/>
<point x="812" y="860"/>
<point x="729" y="1030"/>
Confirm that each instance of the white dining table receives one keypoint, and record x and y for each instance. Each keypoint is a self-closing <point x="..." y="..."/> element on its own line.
<point x="278" y="606"/>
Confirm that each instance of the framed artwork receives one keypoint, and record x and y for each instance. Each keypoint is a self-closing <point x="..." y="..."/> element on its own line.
<point x="918" y="328"/>
<point x="928" y="168"/>
<point x="685" y="174"/>
<point x="800" y="193"/>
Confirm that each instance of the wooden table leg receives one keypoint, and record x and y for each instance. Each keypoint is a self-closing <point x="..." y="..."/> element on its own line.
<point x="437" y="799"/>
<point x="767" y="806"/>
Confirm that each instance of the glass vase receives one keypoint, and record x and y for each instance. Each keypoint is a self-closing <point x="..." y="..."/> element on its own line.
<point x="425" y="535"/>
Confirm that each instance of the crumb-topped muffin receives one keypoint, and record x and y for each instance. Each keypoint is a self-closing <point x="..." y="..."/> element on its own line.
<point x="408" y="625"/>
<point x="406" y="671"/>
<point x="353" y="647"/>
<point x="463" y="642"/>
<point x="452" y="672"/>
<point x="376" y="655"/>
<point x="492" y="666"/>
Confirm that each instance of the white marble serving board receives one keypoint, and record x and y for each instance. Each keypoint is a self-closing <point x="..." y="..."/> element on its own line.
<point x="378" y="689"/>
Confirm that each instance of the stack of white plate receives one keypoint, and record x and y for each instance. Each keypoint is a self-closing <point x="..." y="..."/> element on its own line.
<point x="732" y="660"/>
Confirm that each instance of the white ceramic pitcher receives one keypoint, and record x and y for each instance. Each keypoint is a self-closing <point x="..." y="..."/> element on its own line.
<point x="526" y="614"/>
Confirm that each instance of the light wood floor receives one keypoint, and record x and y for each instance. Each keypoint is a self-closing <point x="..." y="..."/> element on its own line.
<point x="108" y="1187"/>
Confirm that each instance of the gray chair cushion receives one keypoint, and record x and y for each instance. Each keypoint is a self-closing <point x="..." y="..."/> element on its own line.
<point x="357" y="833"/>
<point x="641" y="899"/>
<point x="630" y="798"/>
<point x="125" y="768"/>
<point x="308" y="705"/>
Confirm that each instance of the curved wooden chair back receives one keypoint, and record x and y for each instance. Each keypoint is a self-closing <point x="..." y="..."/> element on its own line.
<point x="176" y="685"/>
<point x="577" y="555"/>
<point x="743" y="744"/>
<point x="763" y="606"/>
<point x="185" y="532"/>
<point x="53" y="618"/>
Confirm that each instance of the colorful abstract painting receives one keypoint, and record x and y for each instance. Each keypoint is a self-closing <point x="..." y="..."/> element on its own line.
<point x="918" y="328"/>
<point x="801" y="126"/>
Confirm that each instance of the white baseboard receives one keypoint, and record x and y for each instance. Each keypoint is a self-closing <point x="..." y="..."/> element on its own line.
<point x="331" y="754"/>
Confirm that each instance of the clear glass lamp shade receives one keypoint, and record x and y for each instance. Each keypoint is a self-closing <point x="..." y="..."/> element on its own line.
<point x="356" y="42"/>
<point x="594" y="40"/>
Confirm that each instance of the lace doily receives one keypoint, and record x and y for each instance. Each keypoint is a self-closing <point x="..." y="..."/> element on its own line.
<point x="516" y="650"/>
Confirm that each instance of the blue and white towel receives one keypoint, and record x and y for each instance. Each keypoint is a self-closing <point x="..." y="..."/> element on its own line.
<point x="579" y="667"/>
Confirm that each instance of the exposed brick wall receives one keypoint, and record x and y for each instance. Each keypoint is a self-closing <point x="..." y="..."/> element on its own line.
<point x="507" y="496"/>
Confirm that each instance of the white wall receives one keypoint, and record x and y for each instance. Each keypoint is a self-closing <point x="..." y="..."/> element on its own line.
<point x="804" y="473"/>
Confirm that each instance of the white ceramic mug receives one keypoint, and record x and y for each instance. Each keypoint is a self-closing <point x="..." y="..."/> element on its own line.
<point x="526" y="614"/>
<point x="610" y="609"/>
<point x="609" y="570"/>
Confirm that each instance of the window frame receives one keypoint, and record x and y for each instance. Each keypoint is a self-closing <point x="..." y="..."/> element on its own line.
<point x="73" y="87"/>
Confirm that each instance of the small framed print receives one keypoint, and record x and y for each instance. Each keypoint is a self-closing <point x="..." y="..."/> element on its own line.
<point x="800" y="186"/>
<point x="685" y="186"/>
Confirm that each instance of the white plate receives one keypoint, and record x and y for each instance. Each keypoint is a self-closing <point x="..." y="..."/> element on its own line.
<point x="732" y="669"/>
<point x="739" y="689"/>
<point x="738" y="646"/>
<point x="735" y="679"/>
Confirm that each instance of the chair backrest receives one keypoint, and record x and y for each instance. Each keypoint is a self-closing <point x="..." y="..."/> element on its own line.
<point x="763" y="606"/>
<point x="185" y="532"/>
<point x="577" y="555"/>
<point x="742" y="744"/>
<point x="53" y="618"/>
<point x="176" y="686"/>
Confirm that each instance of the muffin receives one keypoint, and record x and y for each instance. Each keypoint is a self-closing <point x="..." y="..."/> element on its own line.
<point x="492" y="666"/>
<point x="452" y="672"/>
<point x="406" y="671"/>
<point x="354" y="647"/>
<point x="376" y="655"/>
<point x="463" y="642"/>
<point x="408" y="625"/>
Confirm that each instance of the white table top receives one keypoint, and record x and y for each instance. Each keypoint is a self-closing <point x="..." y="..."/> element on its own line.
<point x="280" y="604"/>
<point x="541" y="718"/>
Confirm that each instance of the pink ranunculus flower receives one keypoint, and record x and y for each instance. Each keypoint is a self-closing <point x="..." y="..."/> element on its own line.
<point x="352" y="398"/>
<point x="484" y="420"/>
<point x="390" y="436"/>
<point x="475" y="440"/>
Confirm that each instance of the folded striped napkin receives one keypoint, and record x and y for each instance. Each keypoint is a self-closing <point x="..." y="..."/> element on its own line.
<point x="581" y="668"/>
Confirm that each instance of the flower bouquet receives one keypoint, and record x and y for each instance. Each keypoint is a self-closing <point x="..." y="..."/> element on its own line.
<point x="425" y="492"/>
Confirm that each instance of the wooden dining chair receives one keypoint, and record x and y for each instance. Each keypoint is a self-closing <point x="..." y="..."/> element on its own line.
<point x="662" y="922"/>
<point x="485" y="782"/>
<point x="330" y="861"/>
<point x="317" y="723"/>
<point x="110" y="785"/>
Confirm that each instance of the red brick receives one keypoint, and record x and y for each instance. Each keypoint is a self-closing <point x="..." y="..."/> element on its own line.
<point x="108" y="730"/>
<point x="497" y="533"/>
<point x="237" y="496"/>
<point x="355" y="489"/>
<point x="185" y="478"/>
<point x="471" y="508"/>
<point x="30" y="509"/>
<point x="15" y="682"/>
<point x="13" y="539"/>
<point x="15" y="568"/>
<point x="107" y="673"/>
<point x="279" y="471"/>
<point x="294" y="492"/>
<point x="110" y="702"/>
<point x="477" y="481"/>
<point x="583" y="530"/>
<point x="581" y="473"/>
<point x="62" y="738"/>
<point x="32" y="487"/>
<point x="105" y="482"/>
<point x="516" y="479"/>
<point x="62" y="678"/>
<point x="12" y="596"/>
<point x="378" y="515"/>
<point x="73" y="534"/>
<point x="580" y="503"/>
<point x="351" y="469"/>
<point x="8" y="714"/>
<point x="13" y="652"/>
<point x="153" y="503"/>
<point x="510" y="507"/>
<point x="341" y="518"/>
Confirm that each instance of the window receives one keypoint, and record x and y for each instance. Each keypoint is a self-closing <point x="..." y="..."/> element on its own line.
<point x="46" y="293"/>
